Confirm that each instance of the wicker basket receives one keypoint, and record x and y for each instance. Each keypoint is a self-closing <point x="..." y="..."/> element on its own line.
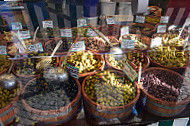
<point x="159" y="107"/>
<point x="98" y="113"/>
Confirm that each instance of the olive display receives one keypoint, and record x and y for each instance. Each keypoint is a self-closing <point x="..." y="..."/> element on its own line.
<point x="168" y="56"/>
<point x="6" y="96"/>
<point x="109" y="89"/>
<point x="4" y="62"/>
<point x="48" y="33"/>
<point x="110" y="30"/>
<point x="170" y="39"/>
<point x="134" y="58"/>
<point x="165" y="85"/>
<point x="80" y="31"/>
<point x="7" y="36"/>
<point x="85" y="61"/>
<point x="49" y="94"/>
<point x="140" y="27"/>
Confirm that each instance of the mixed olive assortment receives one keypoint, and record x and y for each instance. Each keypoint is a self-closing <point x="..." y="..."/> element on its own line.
<point x="110" y="30"/>
<point x="109" y="89"/>
<point x="4" y="62"/>
<point x="49" y="94"/>
<point x="85" y="61"/>
<point x="48" y="33"/>
<point x="6" y="96"/>
<point x="165" y="85"/>
<point x="168" y="56"/>
<point x="134" y="59"/>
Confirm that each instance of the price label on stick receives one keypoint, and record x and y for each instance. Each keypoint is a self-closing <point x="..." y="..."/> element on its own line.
<point x="161" y="28"/>
<point x="73" y="71"/>
<point x="3" y="50"/>
<point x="157" y="41"/>
<point x="47" y="24"/>
<point x="36" y="47"/>
<point x="79" y="46"/>
<point x="91" y="33"/>
<point x="24" y="34"/>
<point x="128" y="44"/>
<point x="66" y="32"/>
<point x="81" y="22"/>
<point x="140" y="19"/>
<point x="124" y="30"/>
<point x="16" y="25"/>
<point x="164" y="19"/>
<point x="130" y="72"/>
<point x="110" y="20"/>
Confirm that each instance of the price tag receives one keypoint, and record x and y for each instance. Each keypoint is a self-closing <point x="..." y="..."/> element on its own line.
<point x="127" y="44"/>
<point x="124" y="30"/>
<point x="16" y="25"/>
<point x="110" y="20"/>
<point x="24" y="34"/>
<point x="157" y="41"/>
<point x="81" y="22"/>
<point x="91" y="33"/>
<point x="47" y="24"/>
<point x="79" y="46"/>
<point x="66" y="32"/>
<point x="73" y="71"/>
<point x="3" y="50"/>
<point x="140" y="19"/>
<point x="130" y="72"/>
<point x="161" y="28"/>
<point x="36" y="47"/>
<point x="164" y="19"/>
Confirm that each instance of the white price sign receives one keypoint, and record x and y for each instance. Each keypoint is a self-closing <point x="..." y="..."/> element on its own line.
<point x="16" y="25"/>
<point x="36" y="47"/>
<point x="110" y="20"/>
<point x="157" y="41"/>
<point x="24" y="34"/>
<point x="47" y="24"/>
<point x="81" y="22"/>
<point x="66" y="32"/>
<point x="128" y="44"/>
<point x="91" y="33"/>
<point x="164" y="19"/>
<point x="140" y="19"/>
<point x="124" y="30"/>
<point x="73" y="71"/>
<point x="161" y="28"/>
<point x="3" y="50"/>
<point x="79" y="46"/>
<point x="130" y="72"/>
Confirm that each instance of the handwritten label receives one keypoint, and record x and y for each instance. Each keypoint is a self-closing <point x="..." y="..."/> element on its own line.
<point x="140" y="19"/>
<point x="47" y="24"/>
<point x="128" y="44"/>
<point x="124" y="30"/>
<point x="91" y="33"/>
<point x="157" y="41"/>
<point x="79" y="46"/>
<point x="3" y="50"/>
<point x="24" y="34"/>
<point x="73" y="71"/>
<point x="161" y="28"/>
<point x="16" y="25"/>
<point x="66" y="32"/>
<point x="81" y="22"/>
<point x="130" y="72"/>
<point x="164" y="19"/>
<point x="35" y="47"/>
<point x="110" y="20"/>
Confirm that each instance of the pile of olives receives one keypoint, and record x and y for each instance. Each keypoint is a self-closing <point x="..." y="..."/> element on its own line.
<point x="85" y="61"/>
<point x="4" y="62"/>
<point x="168" y="56"/>
<point x="109" y="89"/>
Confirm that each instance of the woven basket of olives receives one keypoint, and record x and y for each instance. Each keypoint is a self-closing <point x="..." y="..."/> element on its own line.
<point x="50" y="102"/>
<point x="141" y="42"/>
<point x="98" y="45"/>
<point x="4" y="63"/>
<point x="87" y="62"/>
<point x="169" y="57"/>
<point x="166" y="92"/>
<point x="133" y="58"/>
<point x="109" y="94"/>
